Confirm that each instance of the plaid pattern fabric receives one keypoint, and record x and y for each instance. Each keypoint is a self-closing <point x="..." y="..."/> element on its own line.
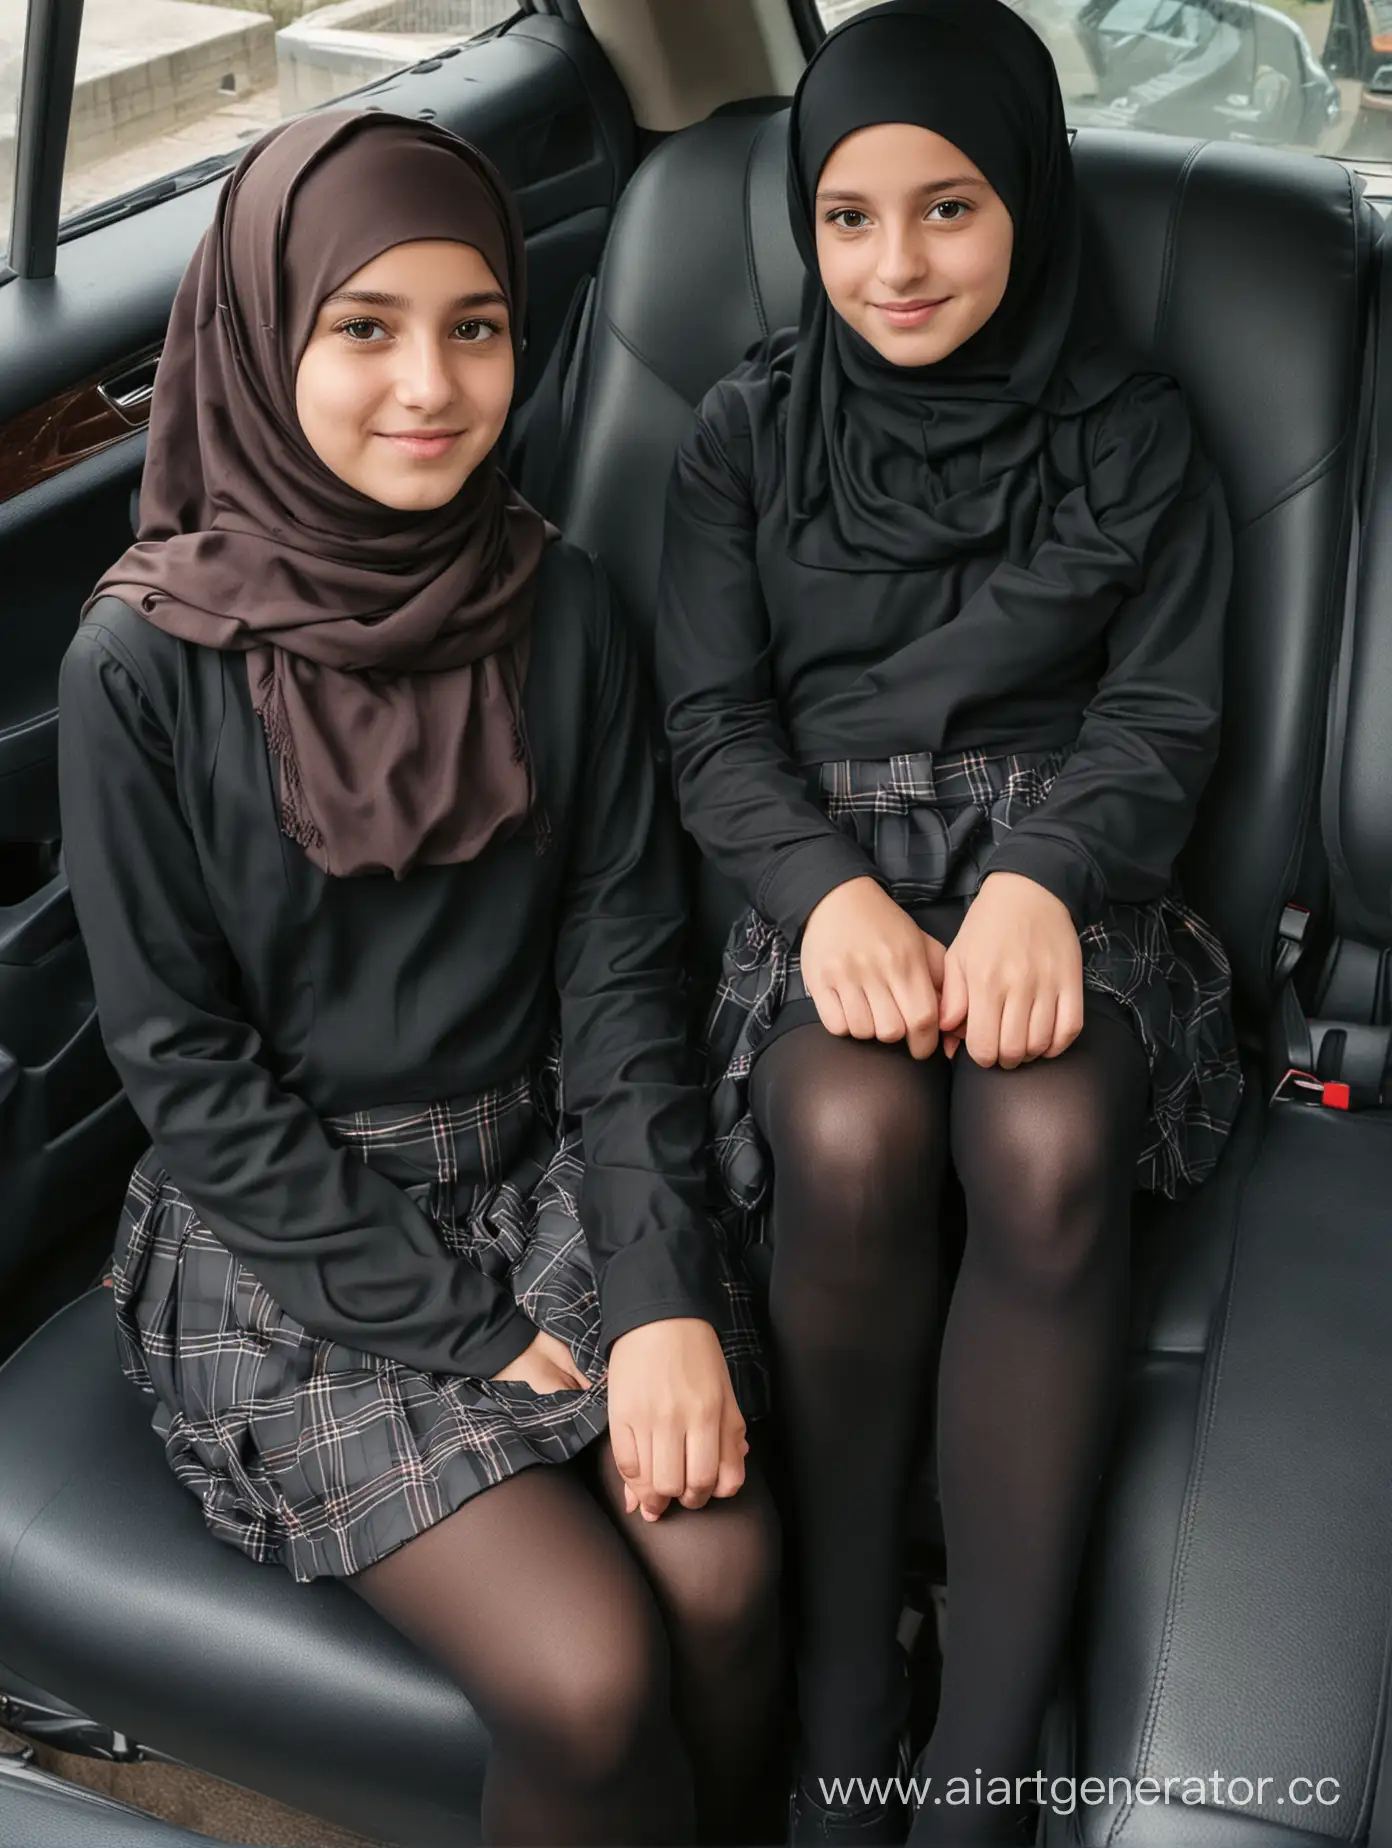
<point x="307" y="1453"/>
<point x="931" y="826"/>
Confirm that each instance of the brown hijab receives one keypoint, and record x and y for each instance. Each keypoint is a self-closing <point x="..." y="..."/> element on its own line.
<point x="385" y="650"/>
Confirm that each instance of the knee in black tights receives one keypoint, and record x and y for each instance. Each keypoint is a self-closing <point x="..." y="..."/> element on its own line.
<point x="529" y="1600"/>
<point x="714" y="1571"/>
<point x="1032" y="1195"/>
<point x="590" y="1718"/>
<point x="1046" y="1155"/>
<point x="856" y="1131"/>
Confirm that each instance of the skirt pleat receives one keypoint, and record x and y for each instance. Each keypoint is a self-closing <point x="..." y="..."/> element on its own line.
<point x="324" y="1458"/>
<point x="931" y="826"/>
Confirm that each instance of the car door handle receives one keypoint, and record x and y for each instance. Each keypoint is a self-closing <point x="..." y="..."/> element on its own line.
<point x="130" y="390"/>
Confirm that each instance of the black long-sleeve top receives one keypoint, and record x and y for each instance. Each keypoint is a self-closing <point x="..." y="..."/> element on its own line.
<point x="244" y="995"/>
<point x="1097" y="622"/>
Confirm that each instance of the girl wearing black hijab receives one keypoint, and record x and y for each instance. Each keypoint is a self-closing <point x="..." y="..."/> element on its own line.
<point x="940" y="639"/>
<point x="385" y="918"/>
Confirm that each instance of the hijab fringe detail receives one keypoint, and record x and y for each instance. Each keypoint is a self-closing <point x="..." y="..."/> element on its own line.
<point x="296" y="822"/>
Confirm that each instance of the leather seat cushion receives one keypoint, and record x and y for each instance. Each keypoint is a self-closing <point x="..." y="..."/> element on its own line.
<point x="114" y="1595"/>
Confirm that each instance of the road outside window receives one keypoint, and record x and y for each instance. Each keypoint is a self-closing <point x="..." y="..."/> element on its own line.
<point x="164" y="84"/>
<point x="1315" y="75"/>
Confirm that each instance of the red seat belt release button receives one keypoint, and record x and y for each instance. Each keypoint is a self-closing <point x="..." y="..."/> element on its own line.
<point x="1335" y="1096"/>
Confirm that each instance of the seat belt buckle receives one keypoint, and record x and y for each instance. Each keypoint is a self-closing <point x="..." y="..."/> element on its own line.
<point x="1291" y="932"/>
<point x="1295" y="921"/>
<point x="1299" y="1087"/>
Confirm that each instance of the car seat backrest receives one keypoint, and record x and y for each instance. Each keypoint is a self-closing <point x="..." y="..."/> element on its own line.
<point x="1358" y="790"/>
<point x="1245" y="272"/>
<point x="1344" y="1029"/>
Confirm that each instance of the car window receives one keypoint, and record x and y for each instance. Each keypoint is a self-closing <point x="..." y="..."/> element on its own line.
<point x="163" y="85"/>
<point x="11" y="54"/>
<point x="1307" y="74"/>
<point x="1187" y="27"/>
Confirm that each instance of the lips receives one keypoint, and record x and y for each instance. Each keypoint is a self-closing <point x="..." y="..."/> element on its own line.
<point x="427" y="445"/>
<point x="908" y="314"/>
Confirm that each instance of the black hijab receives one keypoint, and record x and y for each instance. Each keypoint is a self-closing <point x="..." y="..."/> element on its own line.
<point x="895" y="467"/>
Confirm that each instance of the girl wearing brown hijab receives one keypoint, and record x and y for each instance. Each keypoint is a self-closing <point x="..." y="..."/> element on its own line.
<point x="385" y="918"/>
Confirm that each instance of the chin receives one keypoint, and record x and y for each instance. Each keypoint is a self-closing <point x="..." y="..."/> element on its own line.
<point x="913" y="346"/>
<point x="416" y="496"/>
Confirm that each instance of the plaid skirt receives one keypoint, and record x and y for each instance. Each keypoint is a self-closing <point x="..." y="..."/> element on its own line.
<point x="310" y="1454"/>
<point x="931" y="826"/>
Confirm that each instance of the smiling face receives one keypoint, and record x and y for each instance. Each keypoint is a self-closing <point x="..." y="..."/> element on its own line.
<point x="406" y="381"/>
<point x="913" y="243"/>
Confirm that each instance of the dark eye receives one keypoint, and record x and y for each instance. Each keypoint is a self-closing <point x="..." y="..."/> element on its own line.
<point x="951" y="211"/>
<point x="844" y="215"/>
<point x="475" y="332"/>
<point x="361" y="329"/>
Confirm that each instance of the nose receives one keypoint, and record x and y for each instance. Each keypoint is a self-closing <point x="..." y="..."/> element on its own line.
<point x="901" y="263"/>
<point x="424" y="382"/>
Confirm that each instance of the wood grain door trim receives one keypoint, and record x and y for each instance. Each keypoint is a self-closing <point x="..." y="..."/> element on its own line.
<point x="83" y="420"/>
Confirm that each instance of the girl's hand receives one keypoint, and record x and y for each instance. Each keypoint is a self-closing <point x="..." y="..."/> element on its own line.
<point x="1013" y="977"/>
<point x="546" y="1366"/>
<point x="871" y="971"/>
<point x="675" y="1428"/>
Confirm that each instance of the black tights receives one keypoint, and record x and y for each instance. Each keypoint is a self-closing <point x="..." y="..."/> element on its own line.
<point x="1026" y="1388"/>
<point x="627" y="1672"/>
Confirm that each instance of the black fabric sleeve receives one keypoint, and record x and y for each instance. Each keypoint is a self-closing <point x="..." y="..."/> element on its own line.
<point x="1124" y="803"/>
<point x="740" y="791"/>
<point x="339" y="1247"/>
<point x="629" y="1073"/>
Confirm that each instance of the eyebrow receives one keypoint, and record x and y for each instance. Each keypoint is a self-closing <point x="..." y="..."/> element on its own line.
<point x="935" y="186"/>
<point x="376" y="298"/>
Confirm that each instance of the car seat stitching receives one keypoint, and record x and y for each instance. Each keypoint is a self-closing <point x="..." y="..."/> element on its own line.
<point x="1188" y="1522"/>
<point x="645" y="362"/>
<point x="1167" y="267"/>
<point x="1315" y="473"/>
<point x="25" y="1531"/>
<point x="750" y="258"/>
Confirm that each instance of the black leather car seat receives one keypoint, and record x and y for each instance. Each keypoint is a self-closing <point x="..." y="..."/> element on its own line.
<point x="1248" y="273"/>
<point x="1237" y="1612"/>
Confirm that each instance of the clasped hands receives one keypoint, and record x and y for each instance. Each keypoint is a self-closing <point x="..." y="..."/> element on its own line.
<point x="1010" y="988"/>
<point x="674" y="1424"/>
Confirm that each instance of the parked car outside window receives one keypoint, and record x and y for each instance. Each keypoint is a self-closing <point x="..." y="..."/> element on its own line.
<point x="1221" y="70"/>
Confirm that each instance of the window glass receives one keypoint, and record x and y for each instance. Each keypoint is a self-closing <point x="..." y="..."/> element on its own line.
<point x="1309" y="74"/>
<point x="165" y="84"/>
<point x="11" y="54"/>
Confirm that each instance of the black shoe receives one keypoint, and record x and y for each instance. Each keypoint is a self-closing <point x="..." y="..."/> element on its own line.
<point x="812" y="1824"/>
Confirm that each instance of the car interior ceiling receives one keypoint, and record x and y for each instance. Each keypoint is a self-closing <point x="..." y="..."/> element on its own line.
<point x="1233" y="1610"/>
<point x="678" y="63"/>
